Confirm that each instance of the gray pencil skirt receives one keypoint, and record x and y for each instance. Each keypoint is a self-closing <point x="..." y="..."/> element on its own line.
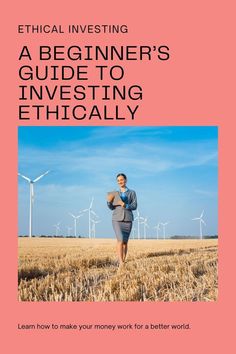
<point x="122" y="229"/>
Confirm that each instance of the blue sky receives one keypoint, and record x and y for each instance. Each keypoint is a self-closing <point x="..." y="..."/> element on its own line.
<point x="174" y="171"/>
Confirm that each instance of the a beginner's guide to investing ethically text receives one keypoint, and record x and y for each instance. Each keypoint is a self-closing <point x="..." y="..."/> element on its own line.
<point x="57" y="82"/>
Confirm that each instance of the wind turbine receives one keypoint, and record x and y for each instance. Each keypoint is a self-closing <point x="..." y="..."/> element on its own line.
<point x="93" y="228"/>
<point x="133" y="232"/>
<point x="158" y="228"/>
<point x="90" y="211"/>
<point x="164" y="228"/>
<point x="139" y="219"/>
<point x="201" y="221"/>
<point x="31" y="184"/>
<point x="144" y="222"/>
<point x="75" y="217"/>
<point x="57" y="228"/>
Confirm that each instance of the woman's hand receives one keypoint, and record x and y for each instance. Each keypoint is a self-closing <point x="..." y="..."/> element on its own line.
<point x="121" y="203"/>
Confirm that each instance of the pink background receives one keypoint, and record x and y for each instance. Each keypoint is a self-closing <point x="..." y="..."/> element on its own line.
<point x="194" y="88"/>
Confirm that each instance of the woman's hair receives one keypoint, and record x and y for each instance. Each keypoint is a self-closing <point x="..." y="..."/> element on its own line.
<point x="121" y="174"/>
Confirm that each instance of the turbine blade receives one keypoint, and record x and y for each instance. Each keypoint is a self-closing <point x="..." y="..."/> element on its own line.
<point x="202" y="214"/>
<point x="203" y="221"/>
<point x="83" y="211"/>
<point x="27" y="178"/>
<point x="196" y="219"/>
<point x="93" y="212"/>
<point x="91" y="203"/>
<point x="41" y="176"/>
<point x="73" y="216"/>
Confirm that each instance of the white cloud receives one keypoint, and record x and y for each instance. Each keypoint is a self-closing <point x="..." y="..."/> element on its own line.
<point x="141" y="158"/>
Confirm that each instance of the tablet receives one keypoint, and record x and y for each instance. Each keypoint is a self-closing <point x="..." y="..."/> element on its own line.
<point x="116" y="199"/>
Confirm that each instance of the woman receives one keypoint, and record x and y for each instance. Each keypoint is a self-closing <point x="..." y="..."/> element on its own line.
<point x="122" y="203"/>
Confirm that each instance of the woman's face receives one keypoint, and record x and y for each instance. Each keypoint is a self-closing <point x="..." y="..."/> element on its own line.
<point x="121" y="181"/>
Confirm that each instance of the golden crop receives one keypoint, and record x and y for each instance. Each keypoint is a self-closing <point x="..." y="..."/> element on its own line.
<point x="53" y="269"/>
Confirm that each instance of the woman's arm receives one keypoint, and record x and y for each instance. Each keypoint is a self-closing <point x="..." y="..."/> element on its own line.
<point x="133" y="204"/>
<point x="110" y="205"/>
<point x="110" y="198"/>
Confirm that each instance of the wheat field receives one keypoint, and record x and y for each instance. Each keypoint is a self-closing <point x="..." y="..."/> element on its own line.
<point x="69" y="269"/>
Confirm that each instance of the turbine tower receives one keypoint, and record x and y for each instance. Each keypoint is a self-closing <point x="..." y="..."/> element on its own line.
<point x="133" y="232"/>
<point x="158" y="229"/>
<point x="75" y="217"/>
<point x="90" y="211"/>
<point x="139" y="221"/>
<point x="201" y="221"/>
<point x="31" y="185"/>
<point x="57" y="228"/>
<point x="164" y="228"/>
<point x="144" y="222"/>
